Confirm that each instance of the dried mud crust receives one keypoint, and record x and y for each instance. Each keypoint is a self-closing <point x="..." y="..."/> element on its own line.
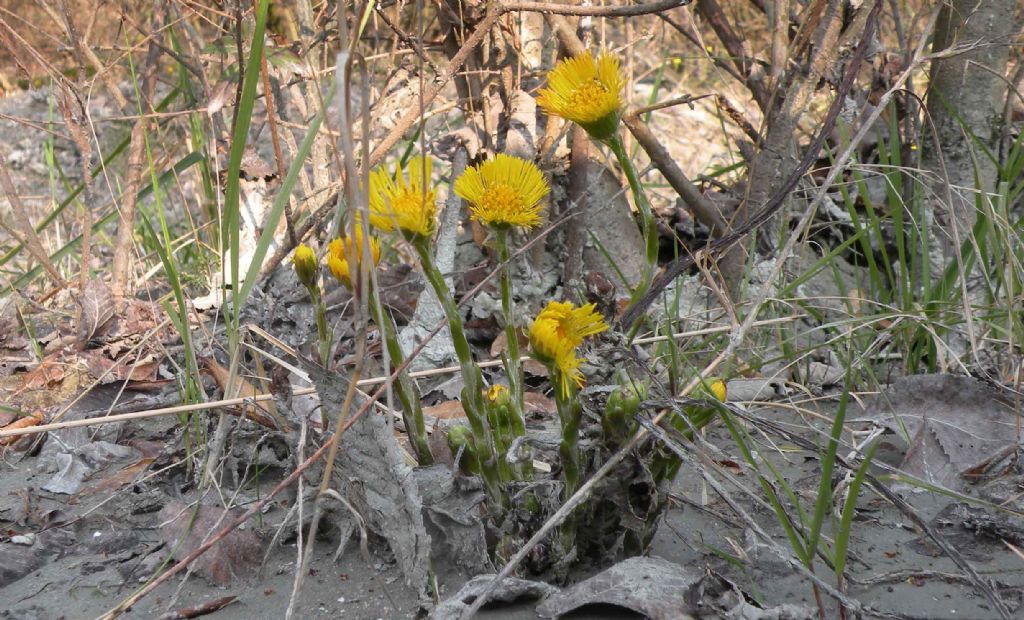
<point x="82" y="554"/>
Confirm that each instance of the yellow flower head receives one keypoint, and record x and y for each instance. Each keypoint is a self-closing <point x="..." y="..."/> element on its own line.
<point x="498" y="394"/>
<point x="407" y="204"/>
<point x="304" y="261"/>
<point x="712" y="387"/>
<point x="504" y="191"/>
<point x="586" y="91"/>
<point x="557" y="331"/>
<point x="341" y="249"/>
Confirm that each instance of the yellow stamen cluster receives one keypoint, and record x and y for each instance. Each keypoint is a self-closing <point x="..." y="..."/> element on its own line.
<point x="340" y="250"/>
<point x="586" y="91"/>
<point x="556" y="333"/>
<point x="504" y="191"/>
<point x="407" y="204"/>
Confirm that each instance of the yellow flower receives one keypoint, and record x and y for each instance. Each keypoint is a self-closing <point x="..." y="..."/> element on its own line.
<point x="713" y="387"/>
<point x="304" y="261"/>
<point x="504" y="191"/>
<point x="341" y="249"/>
<point x="557" y="331"/>
<point x="498" y="394"/>
<point x="587" y="92"/>
<point x="407" y="204"/>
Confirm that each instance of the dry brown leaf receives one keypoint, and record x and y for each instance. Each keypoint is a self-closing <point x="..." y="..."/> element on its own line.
<point x="118" y="479"/>
<point x="33" y="419"/>
<point x="243" y="389"/>
<point x="127" y="368"/>
<point x="448" y="410"/>
<point x="535" y="402"/>
<point x="48" y="373"/>
<point x="500" y="344"/>
<point x="236" y="556"/>
<point x="97" y="303"/>
<point x="955" y="425"/>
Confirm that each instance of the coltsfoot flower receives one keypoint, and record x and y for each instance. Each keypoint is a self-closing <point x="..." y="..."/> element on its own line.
<point x="504" y="191"/>
<point x="498" y="394"/>
<point x="304" y="261"/>
<point x="586" y="91"/>
<point x="341" y="249"/>
<point x="556" y="332"/>
<point x="404" y="203"/>
<point x="713" y="387"/>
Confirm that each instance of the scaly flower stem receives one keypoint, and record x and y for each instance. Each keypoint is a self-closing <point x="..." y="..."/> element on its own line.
<point x="406" y="389"/>
<point x="322" y="331"/>
<point x="502" y="432"/>
<point x="513" y="367"/>
<point x="569" y="414"/>
<point x="650" y="226"/>
<point x="472" y="393"/>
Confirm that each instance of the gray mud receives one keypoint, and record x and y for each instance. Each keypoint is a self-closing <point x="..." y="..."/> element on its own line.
<point x="90" y="551"/>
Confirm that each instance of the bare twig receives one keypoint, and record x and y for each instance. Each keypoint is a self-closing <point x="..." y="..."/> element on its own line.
<point x="738" y="49"/>
<point x="626" y="10"/>
<point x="125" y="245"/>
<point x="704" y="211"/>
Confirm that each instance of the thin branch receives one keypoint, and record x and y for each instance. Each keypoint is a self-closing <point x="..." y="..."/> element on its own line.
<point x="629" y="10"/>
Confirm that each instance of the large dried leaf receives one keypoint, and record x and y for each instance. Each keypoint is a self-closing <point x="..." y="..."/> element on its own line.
<point x="379" y="482"/>
<point x="662" y="590"/>
<point x="236" y="556"/>
<point x="954" y="424"/>
<point x="617" y="246"/>
<point x="97" y="303"/>
<point x="656" y="588"/>
<point x="510" y="590"/>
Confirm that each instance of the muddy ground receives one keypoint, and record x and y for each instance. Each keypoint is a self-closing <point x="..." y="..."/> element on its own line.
<point x="88" y="550"/>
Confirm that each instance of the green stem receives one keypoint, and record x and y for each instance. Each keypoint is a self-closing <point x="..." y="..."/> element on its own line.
<point x="513" y="368"/>
<point x="569" y="415"/>
<point x="502" y="433"/>
<point x="650" y="226"/>
<point x="323" y="334"/>
<point x="405" y="387"/>
<point x="472" y="393"/>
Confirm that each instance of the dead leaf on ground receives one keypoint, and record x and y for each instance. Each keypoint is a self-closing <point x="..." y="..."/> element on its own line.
<point x="257" y="412"/>
<point x="448" y="410"/>
<point x="500" y="343"/>
<point x="537" y="403"/>
<point x="118" y="479"/>
<point x="653" y="587"/>
<point x="510" y="590"/>
<point x="236" y="556"/>
<point x="47" y="374"/>
<point x="97" y="302"/>
<point x="955" y="424"/>
<point x="34" y="419"/>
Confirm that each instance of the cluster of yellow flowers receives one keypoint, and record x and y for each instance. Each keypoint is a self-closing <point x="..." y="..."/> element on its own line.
<point x="504" y="192"/>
